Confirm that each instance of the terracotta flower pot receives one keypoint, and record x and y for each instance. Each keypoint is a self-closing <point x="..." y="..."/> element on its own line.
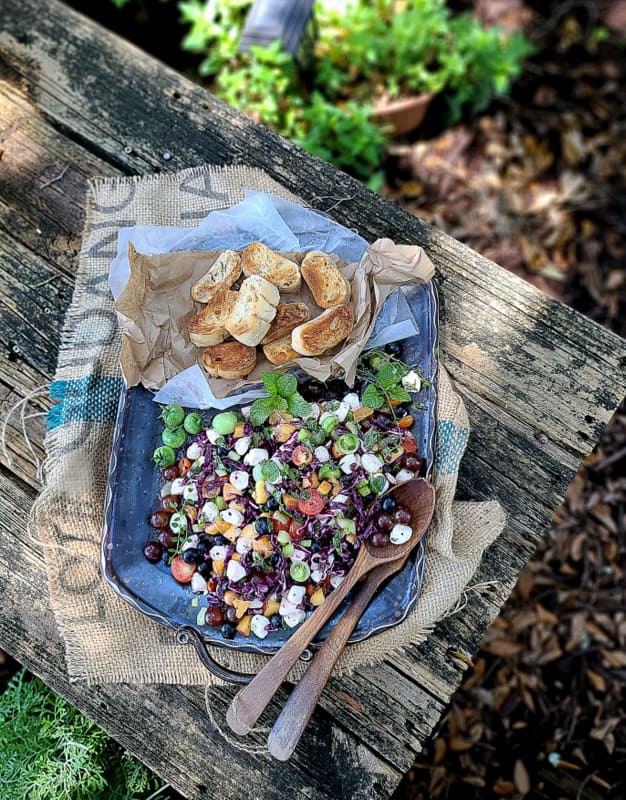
<point x="404" y="114"/>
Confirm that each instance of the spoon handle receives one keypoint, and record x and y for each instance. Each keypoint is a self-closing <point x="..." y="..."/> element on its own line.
<point x="250" y="702"/>
<point x="300" y="706"/>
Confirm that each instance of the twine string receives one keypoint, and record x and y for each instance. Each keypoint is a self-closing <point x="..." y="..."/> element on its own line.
<point x="253" y="749"/>
<point x="464" y="598"/>
<point x="21" y="406"/>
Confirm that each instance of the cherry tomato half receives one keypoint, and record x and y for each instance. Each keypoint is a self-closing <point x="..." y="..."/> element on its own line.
<point x="311" y="505"/>
<point x="301" y="455"/>
<point x="181" y="571"/>
<point x="409" y="443"/>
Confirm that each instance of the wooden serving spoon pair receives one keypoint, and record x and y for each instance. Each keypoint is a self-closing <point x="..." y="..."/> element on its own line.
<point x="378" y="563"/>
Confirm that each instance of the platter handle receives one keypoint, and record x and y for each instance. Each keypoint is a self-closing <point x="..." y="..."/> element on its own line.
<point x="188" y="635"/>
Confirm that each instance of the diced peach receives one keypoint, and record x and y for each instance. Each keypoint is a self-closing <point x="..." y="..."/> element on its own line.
<point x="232" y="534"/>
<point x="315" y="481"/>
<point x="230" y="597"/>
<point x="239" y="429"/>
<point x="236" y="557"/>
<point x="248" y="531"/>
<point x="324" y="487"/>
<point x="222" y="526"/>
<point x="351" y="537"/>
<point x="230" y="492"/>
<point x="262" y="545"/>
<point x="218" y="567"/>
<point x="237" y="506"/>
<point x="192" y="513"/>
<point x="283" y="431"/>
<point x="243" y="625"/>
<point x="362" y="413"/>
<point x="306" y="483"/>
<point x="317" y="598"/>
<point x="289" y="501"/>
<point x="270" y="607"/>
<point x="260" y="493"/>
<point x="241" y="606"/>
<point x="336" y="488"/>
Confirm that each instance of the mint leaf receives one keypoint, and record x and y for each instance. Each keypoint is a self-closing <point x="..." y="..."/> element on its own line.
<point x="261" y="409"/>
<point x="337" y="541"/>
<point x="399" y="393"/>
<point x="280" y="404"/>
<point x="372" y="397"/>
<point x="270" y="471"/>
<point x="270" y="381"/>
<point x="298" y="406"/>
<point x="287" y="386"/>
<point x="387" y="376"/>
<point x="370" y="439"/>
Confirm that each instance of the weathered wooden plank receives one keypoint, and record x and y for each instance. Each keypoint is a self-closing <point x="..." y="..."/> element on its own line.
<point x="28" y="630"/>
<point x="34" y="297"/>
<point x="43" y="180"/>
<point x="514" y="354"/>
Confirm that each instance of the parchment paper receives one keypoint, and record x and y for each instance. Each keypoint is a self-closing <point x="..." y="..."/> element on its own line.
<point x="155" y="305"/>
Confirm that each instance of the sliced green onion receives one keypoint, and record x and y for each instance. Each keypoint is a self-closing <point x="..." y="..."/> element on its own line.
<point x="299" y="571"/>
<point x="288" y="550"/>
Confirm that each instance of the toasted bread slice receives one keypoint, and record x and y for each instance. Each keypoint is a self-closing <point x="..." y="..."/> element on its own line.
<point x="229" y="360"/>
<point x="322" y="276"/>
<point x="288" y="316"/>
<point x="257" y="259"/>
<point x="220" y="277"/>
<point x="255" y="308"/>
<point x="207" y="327"/>
<point x="323" y="332"/>
<point x="280" y="351"/>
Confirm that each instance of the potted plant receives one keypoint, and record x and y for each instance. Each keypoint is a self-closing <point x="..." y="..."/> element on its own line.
<point x="399" y="54"/>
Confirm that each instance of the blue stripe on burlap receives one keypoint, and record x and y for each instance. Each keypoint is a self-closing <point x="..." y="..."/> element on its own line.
<point x="451" y="442"/>
<point x="90" y="399"/>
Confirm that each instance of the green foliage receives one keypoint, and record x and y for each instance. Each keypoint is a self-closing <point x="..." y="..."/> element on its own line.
<point x="393" y="49"/>
<point x="366" y="49"/>
<point x="49" y="751"/>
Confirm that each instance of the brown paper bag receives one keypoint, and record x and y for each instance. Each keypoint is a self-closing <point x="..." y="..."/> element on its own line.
<point x="155" y="308"/>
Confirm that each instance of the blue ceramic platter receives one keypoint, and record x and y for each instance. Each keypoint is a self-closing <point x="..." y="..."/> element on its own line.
<point x="133" y="491"/>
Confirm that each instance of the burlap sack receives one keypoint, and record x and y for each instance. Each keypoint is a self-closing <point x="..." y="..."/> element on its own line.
<point x="106" y="640"/>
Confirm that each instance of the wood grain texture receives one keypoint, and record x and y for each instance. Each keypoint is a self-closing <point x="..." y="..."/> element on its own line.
<point x="539" y="382"/>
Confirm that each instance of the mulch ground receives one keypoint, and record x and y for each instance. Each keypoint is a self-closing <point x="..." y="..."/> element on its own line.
<point x="538" y="184"/>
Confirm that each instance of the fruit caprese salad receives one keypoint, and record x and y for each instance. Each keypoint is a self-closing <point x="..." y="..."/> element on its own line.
<point x="262" y="511"/>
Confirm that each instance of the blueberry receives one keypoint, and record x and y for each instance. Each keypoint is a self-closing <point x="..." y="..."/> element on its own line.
<point x="205" y="569"/>
<point x="263" y="525"/>
<point x="316" y="547"/>
<point x="388" y="504"/>
<point x="273" y="560"/>
<point x="393" y="349"/>
<point x="276" y="621"/>
<point x="204" y="548"/>
<point x="228" y="630"/>
<point x="312" y="390"/>
<point x="401" y="411"/>
<point x="271" y="504"/>
<point x="222" y="451"/>
<point x="220" y="540"/>
<point x="192" y="555"/>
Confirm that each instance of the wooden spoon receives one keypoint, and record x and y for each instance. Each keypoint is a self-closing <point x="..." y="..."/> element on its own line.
<point x="250" y="702"/>
<point x="300" y="706"/>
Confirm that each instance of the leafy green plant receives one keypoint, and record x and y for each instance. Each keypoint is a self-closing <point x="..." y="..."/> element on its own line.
<point x="367" y="50"/>
<point x="49" y="751"/>
<point x="283" y="395"/>
<point x="388" y="49"/>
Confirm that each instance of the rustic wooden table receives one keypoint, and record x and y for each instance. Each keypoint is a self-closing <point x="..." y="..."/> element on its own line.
<point x="539" y="380"/>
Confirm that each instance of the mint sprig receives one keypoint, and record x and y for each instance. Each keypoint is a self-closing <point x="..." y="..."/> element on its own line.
<point x="283" y="395"/>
